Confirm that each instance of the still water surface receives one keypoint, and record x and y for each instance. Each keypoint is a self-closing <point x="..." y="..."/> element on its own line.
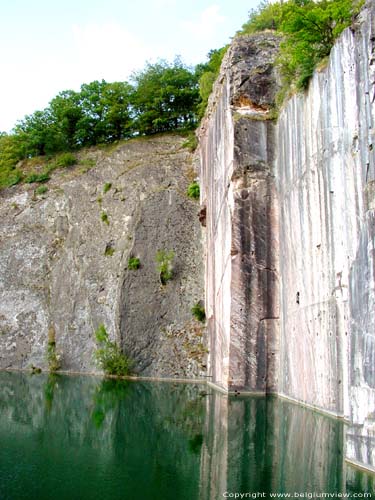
<point x="85" y="438"/>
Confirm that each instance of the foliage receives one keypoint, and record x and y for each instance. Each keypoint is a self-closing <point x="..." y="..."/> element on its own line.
<point x="53" y="359"/>
<point x="11" y="152"/>
<point x="107" y="187"/>
<point x="191" y="142"/>
<point x="193" y="190"/>
<point x="165" y="97"/>
<point x="134" y="263"/>
<point x="267" y="16"/>
<point x="207" y="74"/>
<point x="66" y="160"/>
<point x="41" y="190"/>
<point x="162" y="97"/>
<point x="310" y="29"/>
<point x="198" y="312"/>
<point x="43" y="177"/>
<point x="109" y="250"/>
<point x="104" y="218"/>
<point x="164" y="261"/>
<point x="109" y="356"/>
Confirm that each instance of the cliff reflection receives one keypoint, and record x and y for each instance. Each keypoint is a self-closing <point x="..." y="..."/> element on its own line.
<point x="83" y="437"/>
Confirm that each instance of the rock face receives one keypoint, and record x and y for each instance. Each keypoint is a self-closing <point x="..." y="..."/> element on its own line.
<point x="237" y="145"/>
<point x="64" y="262"/>
<point x="290" y="269"/>
<point x="325" y="173"/>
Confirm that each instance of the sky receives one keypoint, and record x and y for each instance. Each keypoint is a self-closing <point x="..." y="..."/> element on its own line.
<point x="48" y="46"/>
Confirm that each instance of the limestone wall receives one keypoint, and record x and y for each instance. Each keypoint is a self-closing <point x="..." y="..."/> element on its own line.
<point x="63" y="267"/>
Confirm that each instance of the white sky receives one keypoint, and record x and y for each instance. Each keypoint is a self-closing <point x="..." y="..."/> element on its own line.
<point x="49" y="46"/>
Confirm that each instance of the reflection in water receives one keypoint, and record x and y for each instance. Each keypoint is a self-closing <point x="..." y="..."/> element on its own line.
<point x="81" y="437"/>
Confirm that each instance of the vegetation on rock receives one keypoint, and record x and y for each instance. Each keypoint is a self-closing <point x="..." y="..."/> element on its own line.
<point x="198" y="312"/>
<point x="164" y="261"/>
<point x="104" y="218"/>
<point x="109" y="356"/>
<point x="53" y="359"/>
<point x="134" y="263"/>
<point x="193" y="190"/>
<point x="167" y="96"/>
<point x="309" y="31"/>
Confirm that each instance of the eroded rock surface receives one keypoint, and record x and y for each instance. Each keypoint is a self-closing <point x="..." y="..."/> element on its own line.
<point x="64" y="259"/>
<point x="238" y="191"/>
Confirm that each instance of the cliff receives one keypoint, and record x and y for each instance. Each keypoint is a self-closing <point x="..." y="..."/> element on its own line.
<point x="64" y="265"/>
<point x="289" y="204"/>
<point x="289" y="243"/>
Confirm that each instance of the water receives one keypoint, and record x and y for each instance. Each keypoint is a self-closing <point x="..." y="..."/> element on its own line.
<point x="84" y="438"/>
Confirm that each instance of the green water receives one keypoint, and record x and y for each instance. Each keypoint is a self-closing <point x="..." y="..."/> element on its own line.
<point x="84" y="438"/>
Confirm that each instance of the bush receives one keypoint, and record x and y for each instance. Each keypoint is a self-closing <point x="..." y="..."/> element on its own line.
<point x="193" y="191"/>
<point x="191" y="142"/>
<point x="104" y="217"/>
<point x="134" y="263"/>
<point x="44" y="177"/>
<point x="109" y="250"/>
<point x="164" y="265"/>
<point x="53" y="359"/>
<point x="107" y="187"/>
<point x="207" y="74"/>
<point x="309" y="30"/>
<point x="109" y="356"/>
<point x="66" y="160"/>
<point x="198" y="312"/>
<point x="41" y="190"/>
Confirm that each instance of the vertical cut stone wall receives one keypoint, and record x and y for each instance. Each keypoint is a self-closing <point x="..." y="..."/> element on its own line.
<point x="237" y="152"/>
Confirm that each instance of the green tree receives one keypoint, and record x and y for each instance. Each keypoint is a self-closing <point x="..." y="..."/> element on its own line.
<point x="11" y="152"/>
<point x="207" y="74"/>
<point x="39" y="133"/>
<point x="309" y="31"/>
<point x="67" y="112"/>
<point x="165" y="97"/>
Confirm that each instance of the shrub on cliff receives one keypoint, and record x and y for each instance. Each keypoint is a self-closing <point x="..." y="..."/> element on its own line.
<point x="193" y="190"/>
<point x="310" y="29"/>
<point x="164" y="261"/>
<point x="207" y="74"/>
<point x="109" y="356"/>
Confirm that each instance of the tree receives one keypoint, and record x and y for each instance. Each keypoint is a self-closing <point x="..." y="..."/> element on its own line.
<point x="40" y="133"/>
<point x="67" y="112"/>
<point x="310" y="29"/>
<point x="11" y="151"/>
<point x="165" y="97"/>
<point x="207" y="74"/>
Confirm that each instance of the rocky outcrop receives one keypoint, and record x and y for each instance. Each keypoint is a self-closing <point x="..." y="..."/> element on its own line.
<point x="325" y="173"/>
<point x="237" y="146"/>
<point x="290" y="280"/>
<point x="64" y="261"/>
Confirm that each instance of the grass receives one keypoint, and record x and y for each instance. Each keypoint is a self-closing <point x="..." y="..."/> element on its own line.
<point x="109" y="356"/>
<point x="164" y="261"/>
<point x="66" y="160"/>
<point x="43" y="177"/>
<point x="109" y="250"/>
<point x="191" y="142"/>
<point x="134" y="263"/>
<point x="41" y="190"/>
<point x="199" y="312"/>
<point x="193" y="191"/>
<point x="107" y="187"/>
<point x="53" y="359"/>
<point x="104" y="218"/>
